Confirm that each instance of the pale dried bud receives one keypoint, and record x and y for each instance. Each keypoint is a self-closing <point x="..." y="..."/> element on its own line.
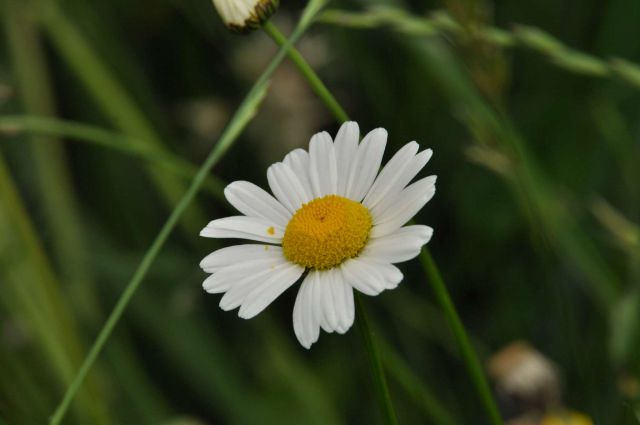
<point x="523" y="373"/>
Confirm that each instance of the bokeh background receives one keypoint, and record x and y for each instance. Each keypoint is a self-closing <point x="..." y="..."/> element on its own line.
<point x="532" y="110"/>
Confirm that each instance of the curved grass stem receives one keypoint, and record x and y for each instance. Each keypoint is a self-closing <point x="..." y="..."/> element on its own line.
<point x="309" y="74"/>
<point x="375" y="362"/>
<point x="245" y="112"/>
<point x="431" y="270"/>
<point x="373" y="354"/>
<point x="469" y="355"/>
<point x="36" y="125"/>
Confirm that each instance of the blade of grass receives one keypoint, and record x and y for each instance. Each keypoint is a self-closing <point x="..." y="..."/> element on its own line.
<point x="294" y="373"/>
<point x="31" y="295"/>
<point x="145" y="403"/>
<point x="111" y="97"/>
<point x="547" y="207"/>
<point x="108" y="139"/>
<point x="56" y="198"/>
<point x="625" y="329"/>
<point x="22" y="399"/>
<point x="184" y="338"/>
<point x="424" y="398"/>
<point x="240" y="119"/>
<point x="468" y="353"/>
<point x="197" y="351"/>
<point x="528" y="182"/>
<point x="375" y="362"/>
<point x="53" y="183"/>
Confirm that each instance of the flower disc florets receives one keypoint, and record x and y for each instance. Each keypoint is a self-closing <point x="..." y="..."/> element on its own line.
<point x="326" y="231"/>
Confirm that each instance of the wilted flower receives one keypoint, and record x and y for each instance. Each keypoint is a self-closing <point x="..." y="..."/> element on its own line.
<point x="333" y="218"/>
<point x="245" y="15"/>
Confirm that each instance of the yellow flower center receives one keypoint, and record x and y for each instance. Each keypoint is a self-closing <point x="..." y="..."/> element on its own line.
<point x="326" y="231"/>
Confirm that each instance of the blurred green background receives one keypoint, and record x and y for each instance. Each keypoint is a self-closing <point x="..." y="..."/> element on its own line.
<point x="536" y="213"/>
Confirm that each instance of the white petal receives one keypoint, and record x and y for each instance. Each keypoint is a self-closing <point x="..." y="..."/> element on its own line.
<point x="238" y="291"/>
<point x="242" y="227"/>
<point x="418" y="162"/>
<point x="326" y="301"/>
<point x="235" y="274"/>
<point x="253" y="201"/>
<point x="337" y="301"/>
<point x="402" y="245"/>
<point x="347" y="310"/>
<point x="305" y="323"/>
<point x="398" y="172"/>
<point x="370" y="277"/>
<point x="366" y="164"/>
<point x="238" y="254"/>
<point x="405" y="206"/>
<point x="346" y="147"/>
<point x="390" y="171"/>
<point x="298" y="161"/>
<point x="323" y="169"/>
<point x="286" y="186"/>
<point x="317" y="293"/>
<point x="269" y="289"/>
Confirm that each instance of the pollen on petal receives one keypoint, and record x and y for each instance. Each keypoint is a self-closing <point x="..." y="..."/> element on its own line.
<point x="326" y="231"/>
<point x="271" y="231"/>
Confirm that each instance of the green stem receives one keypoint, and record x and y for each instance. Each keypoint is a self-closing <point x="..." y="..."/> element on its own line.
<point x="339" y="113"/>
<point x="377" y="370"/>
<point x="225" y="141"/>
<point x="468" y="353"/>
<point x="305" y="69"/>
<point x="431" y="270"/>
<point x="241" y="118"/>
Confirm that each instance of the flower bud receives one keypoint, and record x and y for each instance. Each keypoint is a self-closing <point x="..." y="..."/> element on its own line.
<point x="243" y="16"/>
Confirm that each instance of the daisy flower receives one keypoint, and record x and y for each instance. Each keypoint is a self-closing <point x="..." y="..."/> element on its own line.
<point x="332" y="219"/>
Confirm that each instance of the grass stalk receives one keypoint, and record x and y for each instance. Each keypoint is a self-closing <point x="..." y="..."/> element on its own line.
<point x="316" y="84"/>
<point x="539" y="200"/>
<point x="466" y="349"/>
<point x="441" y="24"/>
<point x="469" y="356"/>
<point x="407" y="379"/>
<point x="239" y="121"/>
<point x="375" y="362"/>
<point x="309" y="74"/>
